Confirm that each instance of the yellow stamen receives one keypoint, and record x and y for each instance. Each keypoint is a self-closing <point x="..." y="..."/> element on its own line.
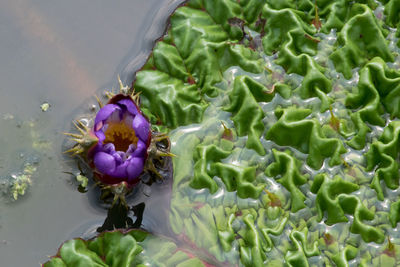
<point x="121" y="135"/>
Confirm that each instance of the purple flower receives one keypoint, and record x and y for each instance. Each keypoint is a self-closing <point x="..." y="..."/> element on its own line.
<point x="123" y="135"/>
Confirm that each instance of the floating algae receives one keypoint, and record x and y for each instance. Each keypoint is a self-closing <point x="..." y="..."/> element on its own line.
<point x="28" y="146"/>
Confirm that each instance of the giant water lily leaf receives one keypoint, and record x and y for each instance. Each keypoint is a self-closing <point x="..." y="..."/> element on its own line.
<point x="279" y="23"/>
<point x="333" y="197"/>
<point x="392" y="10"/>
<point x="287" y="167"/>
<point x="109" y="249"/>
<point x="295" y="130"/>
<point x="302" y="248"/>
<point x="244" y="100"/>
<point x="187" y="63"/>
<point x="384" y="154"/>
<point x="120" y="249"/>
<point x="327" y="201"/>
<point x="170" y="99"/>
<point x="220" y="49"/>
<point x="362" y="38"/>
<point x="378" y="88"/>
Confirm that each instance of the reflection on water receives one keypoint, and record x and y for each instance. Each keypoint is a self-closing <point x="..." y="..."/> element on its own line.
<point x="62" y="53"/>
<point x="119" y="216"/>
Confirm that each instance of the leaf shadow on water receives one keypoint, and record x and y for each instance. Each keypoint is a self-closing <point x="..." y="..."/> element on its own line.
<point x="118" y="216"/>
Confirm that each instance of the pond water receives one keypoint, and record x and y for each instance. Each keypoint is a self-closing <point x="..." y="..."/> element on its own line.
<point x="60" y="53"/>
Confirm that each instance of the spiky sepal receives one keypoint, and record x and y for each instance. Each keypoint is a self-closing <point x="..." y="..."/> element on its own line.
<point x="84" y="140"/>
<point x="116" y="191"/>
<point x="124" y="90"/>
<point x="158" y="153"/>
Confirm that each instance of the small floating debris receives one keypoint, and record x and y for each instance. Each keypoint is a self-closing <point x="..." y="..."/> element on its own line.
<point x="45" y="106"/>
<point x="83" y="180"/>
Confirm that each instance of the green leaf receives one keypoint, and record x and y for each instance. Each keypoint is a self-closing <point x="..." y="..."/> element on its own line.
<point x="240" y="179"/>
<point x="251" y="252"/>
<point x="167" y="59"/>
<point x="378" y="88"/>
<point x="293" y="129"/>
<point x="394" y="214"/>
<point x="360" y="40"/>
<point x="75" y="253"/>
<point x="205" y="155"/>
<point x="247" y="114"/>
<point x="119" y="249"/>
<point x="383" y="153"/>
<point x="173" y="101"/>
<point x="392" y="11"/>
<point x="342" y="258"/>
<point x="302" y="248"/>
<point x="279" y="23"/>
<point x="287" y="167"/>
<point x="333" y="197"/>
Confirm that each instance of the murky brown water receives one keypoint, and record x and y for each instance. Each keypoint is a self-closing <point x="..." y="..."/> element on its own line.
<point x="61" y="53"/>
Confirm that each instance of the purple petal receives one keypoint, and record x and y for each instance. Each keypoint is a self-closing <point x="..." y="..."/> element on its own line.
<point x="122" y="154"/>
<point x="128" y="119"/>
<point x="98" y="126"/>
<point x="100" y="135"/>
<point x="135" y="168"/>
<point x="105" y="163"/>
<point x="130" y="149"/>
<point x="109" y="148"/>
<point x="105" y="112"/>
<point x="141" y="127"/>
<point x="129" y="105"/>
<point x="140" y="149"/>
<point x="120" y="171"/>
<point x="119" y="159"/>
<point x="115" y="116"/>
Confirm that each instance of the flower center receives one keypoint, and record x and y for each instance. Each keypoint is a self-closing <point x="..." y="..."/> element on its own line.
<point x="121" y="135"/>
